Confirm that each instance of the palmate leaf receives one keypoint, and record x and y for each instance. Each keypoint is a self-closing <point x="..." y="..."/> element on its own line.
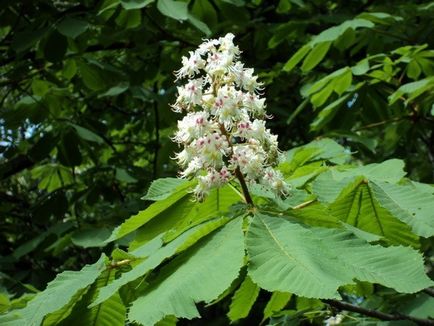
<point x="407" y="203"/>
<point x="136" y="221"/>
<point x="58" y="316"/>
<point x="201" y="274"/>
<point x="276" y="303"/>
<point x="314" y="262"/>
<point x="157" y="257"/>
<point x="243" y="299"/>
<point x="359" y="207"/>
<point x="163" y="188"/>
<point x="185" y="214"/>
<point x="60" y="292"/>
<point x="111" y="312"/>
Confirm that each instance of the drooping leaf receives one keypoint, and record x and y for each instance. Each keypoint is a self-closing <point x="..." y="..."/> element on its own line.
<point x="111" y="312"/>
<point x="155" y="258"/>
<point x="173" y="9"/>
<point x="163" y="188"/>
<point x="72" y="27"/>
<point x="331" y="34"/>
<point x="315" y="56"/>
<point x="314" y="262"/>
<point x="60" y="291"/>
<point x="243" y="300"/>
<point x="296" y="58"/>
<point x="201" y="274"/>
<point x="136" y="221"/>
<point x="276" y="303"/>
<point x="135" y="4"/>
<point x="413" y="207"/>
<point x="87" y="134"/>
<point x="358" y="207"/>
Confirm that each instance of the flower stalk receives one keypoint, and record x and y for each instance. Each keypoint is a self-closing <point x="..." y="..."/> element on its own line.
<point x="223" y="133"/>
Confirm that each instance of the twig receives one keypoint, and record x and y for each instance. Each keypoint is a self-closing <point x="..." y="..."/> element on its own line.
<point x="375" y="313"/>
<point x="380" y="123"/>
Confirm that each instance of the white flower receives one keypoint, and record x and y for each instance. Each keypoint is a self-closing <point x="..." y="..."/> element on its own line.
<point x="190" y="94"/>
<point x="223" y="132"/>
<point x="190" y="65"/>
<point x="192" y="126"/>
<point x="334" y="320"/>
<point x="254" y="104"/>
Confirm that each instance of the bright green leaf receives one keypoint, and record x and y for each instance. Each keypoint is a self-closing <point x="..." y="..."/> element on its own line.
<point x="243" y="300"/>
<point x="174" y="9"/>
<point x="215" y="262"/>
<point x="315" y="56"/>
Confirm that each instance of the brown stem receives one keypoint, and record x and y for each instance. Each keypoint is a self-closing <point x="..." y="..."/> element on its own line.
<point x="375" y="313"/>
<point x="244" y="186"/>
<point x="238" y="173"/>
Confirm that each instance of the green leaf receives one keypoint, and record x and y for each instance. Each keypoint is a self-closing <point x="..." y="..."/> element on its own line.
<point x="333" y="33"/>
<point x="174" y="9"/>
<point x="72" y="27"/>
<point x="414" y="70"/>
<point x="413" y="89"/>
<point x="129" y="18"/>
<point x="55" y="47"/>
<point x="277" y="302"/>
<point x="112" y="312"/>
<point x="315" y="56"/>
<point x="359" y="207"/>
<point x="60" y="291"/>
<point x="420" y="306"/>
<point x="314" y="262"/>
<point x="135" y="4"/>
<point x="124" y="176"/>
<point x="200" y="25"/>
<point x="319" y="98"/>
<point x="296" y="58"/>
<point x="92" y="76"/>
<point x="216" y="204"/>
<point x="28" y="38"/>
<point x="368" y="237"/>
<point x="92" y="237"/>
<point x="58" y="316"/>
<point x="40" y="87"/>
<point x="163" y="188"/>
<point x="87" y="134"/>
<point x="330" y="184"/>
<point x="408" y="204"/>
<point x="215" y="261"/>
<point x="136" y="221"/>
<point x="115" y="90"/>
<point x="52" y="177"/>
<point x="343" y="82"/>
<point x="156" y="257"/>
<point x="243" y="300"/>
<point x="328" y="113"/>
<point x="361" y="67"/>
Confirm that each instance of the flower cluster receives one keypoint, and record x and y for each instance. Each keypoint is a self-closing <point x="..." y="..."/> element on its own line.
<point x="223" y="132"/>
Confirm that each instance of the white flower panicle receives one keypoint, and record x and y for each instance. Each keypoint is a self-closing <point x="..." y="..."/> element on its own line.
<point x="223" y="133"/>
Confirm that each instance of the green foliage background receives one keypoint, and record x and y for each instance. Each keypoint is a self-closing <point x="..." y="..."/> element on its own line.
<point x="85" y="88"/>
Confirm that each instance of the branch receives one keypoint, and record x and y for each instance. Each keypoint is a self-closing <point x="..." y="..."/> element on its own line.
<point x="15" y="165"/>
<point x="341" y="305"/>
